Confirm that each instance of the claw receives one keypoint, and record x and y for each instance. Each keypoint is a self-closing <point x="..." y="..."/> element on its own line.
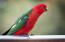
<point x="27" y="35"/>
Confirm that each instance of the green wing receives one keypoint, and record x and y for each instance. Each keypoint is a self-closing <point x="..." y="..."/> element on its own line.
<point x="19" y="23"/>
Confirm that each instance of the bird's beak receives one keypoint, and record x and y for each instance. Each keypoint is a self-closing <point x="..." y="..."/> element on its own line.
<point x="45" y="9"/>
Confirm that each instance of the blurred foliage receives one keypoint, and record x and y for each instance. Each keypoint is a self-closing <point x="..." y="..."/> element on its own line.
<point x="51" y="22"/>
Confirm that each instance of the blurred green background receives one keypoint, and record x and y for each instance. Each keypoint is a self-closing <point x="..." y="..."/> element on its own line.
<point x="51" y="22"/>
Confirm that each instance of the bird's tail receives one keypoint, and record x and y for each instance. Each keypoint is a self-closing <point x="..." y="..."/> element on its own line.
<point x="6" y="32"/>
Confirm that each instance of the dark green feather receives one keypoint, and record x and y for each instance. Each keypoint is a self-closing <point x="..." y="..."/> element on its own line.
<point x="19" y="23"/>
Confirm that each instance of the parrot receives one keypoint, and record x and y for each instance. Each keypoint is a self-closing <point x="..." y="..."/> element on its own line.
<point x="26" y="22"/>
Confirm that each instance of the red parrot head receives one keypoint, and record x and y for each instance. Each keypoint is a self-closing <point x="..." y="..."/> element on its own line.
<point x="40" y="8"/>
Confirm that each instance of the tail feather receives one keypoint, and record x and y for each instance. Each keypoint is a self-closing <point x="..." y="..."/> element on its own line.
<point x="6" y="32"/>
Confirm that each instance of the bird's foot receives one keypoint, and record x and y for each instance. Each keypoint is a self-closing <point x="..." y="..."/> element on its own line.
<point x="27" y="35"/>
<point x="31" y="34"/>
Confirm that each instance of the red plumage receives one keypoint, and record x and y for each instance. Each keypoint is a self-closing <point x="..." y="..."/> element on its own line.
<point x="33" y="17"/>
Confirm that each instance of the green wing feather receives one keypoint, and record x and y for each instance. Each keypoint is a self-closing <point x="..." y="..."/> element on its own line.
<point x="19" y="23"/>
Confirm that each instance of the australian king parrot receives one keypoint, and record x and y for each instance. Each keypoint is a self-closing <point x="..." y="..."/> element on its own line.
<point x="25" y="23"/>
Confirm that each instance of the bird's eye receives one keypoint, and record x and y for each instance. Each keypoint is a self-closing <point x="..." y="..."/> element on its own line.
<point x="42" y="7"/>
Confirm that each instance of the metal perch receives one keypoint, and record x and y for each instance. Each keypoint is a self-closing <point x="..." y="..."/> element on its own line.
<point x="34" y="37"/>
